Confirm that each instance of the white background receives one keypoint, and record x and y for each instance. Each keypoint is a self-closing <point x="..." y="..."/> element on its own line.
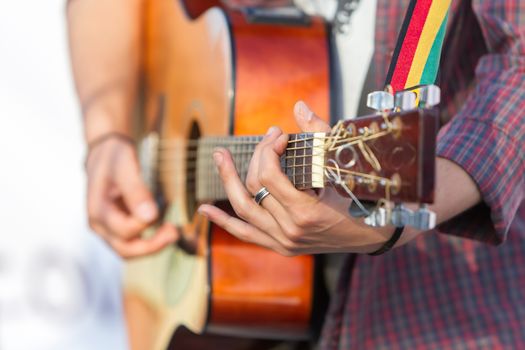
<point x="59" y="284"/>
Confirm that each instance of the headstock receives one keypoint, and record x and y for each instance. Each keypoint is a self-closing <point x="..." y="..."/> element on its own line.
<point x="387" y="157"/>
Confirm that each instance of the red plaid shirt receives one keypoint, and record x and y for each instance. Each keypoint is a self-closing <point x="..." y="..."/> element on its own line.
<point x="442" y="290"/>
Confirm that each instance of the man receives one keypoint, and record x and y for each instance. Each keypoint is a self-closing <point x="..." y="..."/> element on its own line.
<point x="436" y="289"/>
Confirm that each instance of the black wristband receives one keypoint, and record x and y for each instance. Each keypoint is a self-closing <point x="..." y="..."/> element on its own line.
<point x="390" y="243"/>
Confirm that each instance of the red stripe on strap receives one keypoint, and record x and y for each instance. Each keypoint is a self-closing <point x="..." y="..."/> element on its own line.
<point x="406" y="55"/>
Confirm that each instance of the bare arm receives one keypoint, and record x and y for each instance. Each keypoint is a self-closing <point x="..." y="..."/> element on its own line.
<point x="105" y="40"/>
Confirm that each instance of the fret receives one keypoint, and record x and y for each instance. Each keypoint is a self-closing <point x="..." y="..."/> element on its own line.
<point x="294" y="168"/>
<point x="300" y="159"/>
<point x="288" y="161"/>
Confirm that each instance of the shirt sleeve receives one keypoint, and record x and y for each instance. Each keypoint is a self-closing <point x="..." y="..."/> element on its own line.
<point x="487" y="136"/>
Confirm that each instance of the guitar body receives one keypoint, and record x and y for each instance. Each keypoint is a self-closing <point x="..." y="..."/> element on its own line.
<point x="212" y="71"/>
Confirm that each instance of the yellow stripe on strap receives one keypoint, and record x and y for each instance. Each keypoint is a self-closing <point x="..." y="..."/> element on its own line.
<point x="436" y="15"/>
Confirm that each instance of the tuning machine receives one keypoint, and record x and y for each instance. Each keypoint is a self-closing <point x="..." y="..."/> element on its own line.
<point x="373" y="216"/>
<point x="380" y="101"/>
<point x="429" y="96"/>
<point x="425" y="96"/>
<point x="424" y="219"/>
<point x="405" y="100"/>
<point x="377" y="218"/>
<point x="401" y="216"/>
<point x="421" y="219"/>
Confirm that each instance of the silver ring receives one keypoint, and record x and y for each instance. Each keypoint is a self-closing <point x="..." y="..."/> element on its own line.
<point x="260" y="195"/>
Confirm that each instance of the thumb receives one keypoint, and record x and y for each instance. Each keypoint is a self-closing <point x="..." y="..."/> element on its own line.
<point x="307" y="120"/>
<point x="135" y="193"/>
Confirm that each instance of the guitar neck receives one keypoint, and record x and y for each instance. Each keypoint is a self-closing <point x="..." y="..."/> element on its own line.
<point x="304" y="154"/>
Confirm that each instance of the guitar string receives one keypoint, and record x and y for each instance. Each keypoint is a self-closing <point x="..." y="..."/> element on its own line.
<point x="192" y="163"/>
<point x="347" y="141"/>
<point x="167" y="143"/>
<point x="208" y="151"/>
<point x="210" y="148"/>
<point x="244" y="139"/>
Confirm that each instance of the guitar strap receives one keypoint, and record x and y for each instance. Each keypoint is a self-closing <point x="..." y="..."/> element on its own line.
<point x="418" y="49"/>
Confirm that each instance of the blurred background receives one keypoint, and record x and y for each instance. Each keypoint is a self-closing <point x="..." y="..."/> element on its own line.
<point x="59" y="284"/>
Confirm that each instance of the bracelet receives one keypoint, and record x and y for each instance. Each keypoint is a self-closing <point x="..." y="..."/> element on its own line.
<point x="105" y="137"/>
<point x="390" y="243"/>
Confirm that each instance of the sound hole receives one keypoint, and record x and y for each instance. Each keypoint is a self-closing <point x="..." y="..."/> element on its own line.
<point x="191" y="170"/>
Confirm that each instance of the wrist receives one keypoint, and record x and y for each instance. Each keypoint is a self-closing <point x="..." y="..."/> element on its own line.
<point x="106" y="116"/>
<point x="103" y="138"/>
<point x="100" y="121"/>
<point x="390" y="242"/>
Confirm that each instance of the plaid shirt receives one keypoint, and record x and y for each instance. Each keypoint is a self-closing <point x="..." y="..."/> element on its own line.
<point x="442" y="290"/>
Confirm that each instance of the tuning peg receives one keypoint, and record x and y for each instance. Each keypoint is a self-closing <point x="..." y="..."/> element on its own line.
<point x="405" y="100"/>
<point x="378" y="218"/>
<point x="380" y="101"/>
<point x="361" y="210"/>
<point x="401" y="216"/>
<point x="424" y="219"/>
<point x="429" y="96"/>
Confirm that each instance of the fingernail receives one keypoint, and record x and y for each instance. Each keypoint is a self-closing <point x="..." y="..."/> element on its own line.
<point x="202" y="212"/>
<point x="303" y="111"/>
<point x="272" y="130"/>
<point x="217" y="158"/>
<point x="147" y="211"/>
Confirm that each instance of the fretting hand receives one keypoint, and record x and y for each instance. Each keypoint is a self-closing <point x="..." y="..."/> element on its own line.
<point x="289" y="221"/>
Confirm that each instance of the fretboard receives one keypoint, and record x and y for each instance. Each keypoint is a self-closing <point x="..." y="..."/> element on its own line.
<point x="302" y="162"/>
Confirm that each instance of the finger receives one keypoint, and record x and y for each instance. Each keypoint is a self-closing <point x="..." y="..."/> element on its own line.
<point x="96" y="189"/>
<point x="252" y="183"/>
<point x="274" y="222"/>
<point x="241" y="201"/>
<point x="307" y="120"/>
<point x="136" y="195"/>
<point x="98" y="227"/>
<point x="164" y="236"/>
<point x="290" y="231"/>
<point x="240" y="229"/>
<point x="119" y="223"/>
<point x="243" y="204"/>
<point x="271" y="176"/>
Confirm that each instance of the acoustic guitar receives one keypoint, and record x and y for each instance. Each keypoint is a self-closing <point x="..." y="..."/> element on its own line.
<point x="216" y="76"/>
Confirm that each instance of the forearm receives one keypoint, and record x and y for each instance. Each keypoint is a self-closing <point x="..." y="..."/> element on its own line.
<point x="105" y="39"/>
<point x="455" y="192"/>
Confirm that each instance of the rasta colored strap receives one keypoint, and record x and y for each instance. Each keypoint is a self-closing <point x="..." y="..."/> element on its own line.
<point x="418" y="49"/>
